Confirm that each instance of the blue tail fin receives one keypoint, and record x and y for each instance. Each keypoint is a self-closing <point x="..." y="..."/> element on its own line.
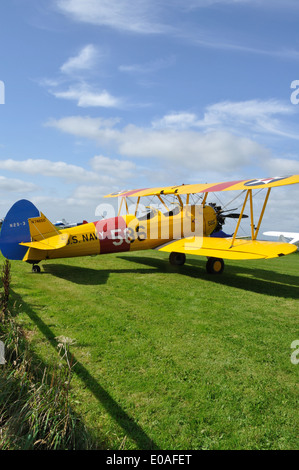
<point x="15" y="229"/>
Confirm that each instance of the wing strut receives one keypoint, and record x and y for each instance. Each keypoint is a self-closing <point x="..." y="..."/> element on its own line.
<point x="254" y="230"/>
<point x="137" y="205"/>
<point x="262" y="213"/>
<point x="251" y="215"/>
<point x="240" y="218"/>
<point x="123" y="200"/>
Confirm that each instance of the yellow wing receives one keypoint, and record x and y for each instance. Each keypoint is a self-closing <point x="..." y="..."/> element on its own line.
<point x="208" y="187"/>
<point x="221" y="248"/>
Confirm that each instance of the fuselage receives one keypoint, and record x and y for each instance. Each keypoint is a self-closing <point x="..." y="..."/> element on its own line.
<point x="132" y="233"/>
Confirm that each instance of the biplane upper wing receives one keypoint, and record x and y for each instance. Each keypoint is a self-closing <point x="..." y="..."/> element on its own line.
<point x="208" y="187"/>
<point x="222" y="248"/>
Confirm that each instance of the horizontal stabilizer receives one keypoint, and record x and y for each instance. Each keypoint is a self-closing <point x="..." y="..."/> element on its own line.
<point x="222" y="248"/>
<point x="51" y="243"/>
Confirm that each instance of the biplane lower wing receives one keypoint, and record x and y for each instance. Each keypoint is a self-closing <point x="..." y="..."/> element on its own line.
<point x="242" y="249"/>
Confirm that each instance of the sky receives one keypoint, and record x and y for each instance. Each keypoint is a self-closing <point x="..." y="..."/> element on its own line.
<point x="99" y="96"/>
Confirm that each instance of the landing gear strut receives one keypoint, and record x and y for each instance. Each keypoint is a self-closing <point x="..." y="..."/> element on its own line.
<point x="177" y="259"/>
<point x="215" y="265"/>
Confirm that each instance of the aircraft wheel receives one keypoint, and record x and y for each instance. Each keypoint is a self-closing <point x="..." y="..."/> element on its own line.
<point x="215" y="265"/>
<point x="177" y="259"/>
<point x="35" y="268"/>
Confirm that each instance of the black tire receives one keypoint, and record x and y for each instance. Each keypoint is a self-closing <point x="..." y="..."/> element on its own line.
<point x="35" y="268"/>
<point x="177" y="259"/>
<point x="215" y="265"/>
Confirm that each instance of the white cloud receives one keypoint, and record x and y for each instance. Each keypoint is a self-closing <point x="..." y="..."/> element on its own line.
<point x="193" y="4"/>
<point x="262" y="3"/>
<point x="252" y="109"/>
<point x="178" y="120"/>
<point x="282" y="166"/>
<point x="85" y="60"/>
<point x="253" y="116"/>
<point x="86" y="186"/>
<point x="84" y="194"/>
<point x="246" y="116"/>
<point x="86" y="127"/>
<point x="73" y="84"/>
<point x="142" y="17"/>
<point x="190" y="148"/>
<point x="87" y="97"/>
<point x="148" y="67"/>
<point x="152" y="17"/>
<point x="244" y="111"/>
<point x="16" y="185"/>
<point x="176" y="18"/>
<point x="68" y="172"/>
<point x="108" y="166"/>
<point x="193" y="150"/>
<point x="221" y="138"/>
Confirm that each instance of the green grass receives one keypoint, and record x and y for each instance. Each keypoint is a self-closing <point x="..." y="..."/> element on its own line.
<point x="171" y="358"/>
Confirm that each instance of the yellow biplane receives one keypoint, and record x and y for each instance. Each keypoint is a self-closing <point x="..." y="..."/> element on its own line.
<point x="182" y="226"/>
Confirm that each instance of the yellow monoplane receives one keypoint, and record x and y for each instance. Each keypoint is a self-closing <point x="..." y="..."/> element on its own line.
<point x="179" y="227"/>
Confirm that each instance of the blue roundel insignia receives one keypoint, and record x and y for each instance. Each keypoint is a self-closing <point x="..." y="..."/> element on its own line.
<point x="262" y="181"/>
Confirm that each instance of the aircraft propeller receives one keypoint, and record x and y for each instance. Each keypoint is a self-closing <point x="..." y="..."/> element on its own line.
<point x="223" y="214"/>
<point x="234" y="216"/>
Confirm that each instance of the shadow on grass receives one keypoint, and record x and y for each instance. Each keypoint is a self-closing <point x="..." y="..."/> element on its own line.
<point x="87" y="276"/>
<point x="126" y="422"/>
<point x="261" y="281"/>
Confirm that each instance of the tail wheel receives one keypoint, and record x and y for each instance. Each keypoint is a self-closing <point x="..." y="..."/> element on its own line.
<point x="215" y="265"/>
<point x="177" y="259"/>
<point x="35" y="268"/>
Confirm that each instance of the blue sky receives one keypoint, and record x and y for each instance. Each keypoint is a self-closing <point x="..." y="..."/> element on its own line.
<point x="103" y="95"/>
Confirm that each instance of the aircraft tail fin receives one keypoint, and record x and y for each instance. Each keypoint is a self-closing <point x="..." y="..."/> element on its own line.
<point x="25" y="227"/>
<point x="15" y="229"/>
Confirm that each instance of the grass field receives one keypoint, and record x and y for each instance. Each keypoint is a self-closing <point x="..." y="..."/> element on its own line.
<point x="171" y="357"/>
